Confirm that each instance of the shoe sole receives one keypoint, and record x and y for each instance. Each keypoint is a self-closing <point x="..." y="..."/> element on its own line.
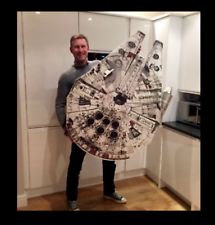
<point x="117" y="201"/>
<point x="77" y="209"/>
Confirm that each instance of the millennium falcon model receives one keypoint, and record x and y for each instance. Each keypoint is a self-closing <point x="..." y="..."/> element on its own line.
<point x="115" y="108"/>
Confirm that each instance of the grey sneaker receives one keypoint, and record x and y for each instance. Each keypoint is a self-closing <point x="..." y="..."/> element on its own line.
<point x="116" y="198"/>
<point x="73" y="206"/>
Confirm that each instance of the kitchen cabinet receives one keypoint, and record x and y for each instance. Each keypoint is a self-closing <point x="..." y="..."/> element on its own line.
<point x="196" y="177"/>
<point x="180" y="165"/>
<point x="91" y="172"/>
<point x="189" y="79"/>
<point x="173" y="160"/>
<point x="153" y="157"/>
<point x="49" y="152"/>
<point x="46" y="39"/>
<point x="104" y="32"/>
<point x="134" y="166"/>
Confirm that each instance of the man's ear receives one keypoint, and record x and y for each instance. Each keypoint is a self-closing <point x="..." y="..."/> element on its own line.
<point x="70" y="49"/>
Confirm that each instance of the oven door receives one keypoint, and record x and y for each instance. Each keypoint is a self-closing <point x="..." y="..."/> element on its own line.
<point x="188" y="113"/>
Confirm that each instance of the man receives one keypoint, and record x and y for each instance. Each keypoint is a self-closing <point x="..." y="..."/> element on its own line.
<point x="79" y="47"/>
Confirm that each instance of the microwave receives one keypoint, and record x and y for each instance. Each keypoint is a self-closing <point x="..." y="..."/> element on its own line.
<point x="189" y="113"/>
<point x="189" y="109"/>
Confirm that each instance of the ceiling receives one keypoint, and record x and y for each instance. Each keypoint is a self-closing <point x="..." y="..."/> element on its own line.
<point x="149" y="15"/>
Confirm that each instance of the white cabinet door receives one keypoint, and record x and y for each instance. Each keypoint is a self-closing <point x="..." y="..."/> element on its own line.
<point x="91" y="168"/>
<point x="49" y="152"/>
<point x="190" y="56"/>
<point x="196" y="179"/>
<point x="47" y="56"/>
<point x="153" y="157"/>
<point x="104" y="32"/>
<point x="136" y="160"/>
<point x="177" y="156"/>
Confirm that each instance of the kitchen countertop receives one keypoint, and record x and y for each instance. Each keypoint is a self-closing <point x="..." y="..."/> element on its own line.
<point x="192" y="131"/>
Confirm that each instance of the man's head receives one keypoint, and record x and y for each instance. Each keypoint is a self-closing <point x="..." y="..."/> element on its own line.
<point x="79" y="47"/>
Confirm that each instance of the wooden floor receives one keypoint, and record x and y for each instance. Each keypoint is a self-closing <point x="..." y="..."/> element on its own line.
<point x="141" y="193"/>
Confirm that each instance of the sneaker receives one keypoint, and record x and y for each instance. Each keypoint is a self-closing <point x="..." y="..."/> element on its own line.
<point x="73" y="206"/>
<point x="116" y="197"/>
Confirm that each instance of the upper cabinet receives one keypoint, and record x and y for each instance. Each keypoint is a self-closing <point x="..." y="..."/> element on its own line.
<point x="46" y="48"/>
<point x="190" y="55"/>
<point x="168" y="30"/>
<point x="104" y="32"/>
<point x="147" y="28"/>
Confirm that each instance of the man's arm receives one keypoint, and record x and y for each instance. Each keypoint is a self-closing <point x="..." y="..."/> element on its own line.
<point x="60" y="103"/>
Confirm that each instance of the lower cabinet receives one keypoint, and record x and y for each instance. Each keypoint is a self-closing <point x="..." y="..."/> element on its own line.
<point x="180" y="168"/>
<point x="48" y="158"/>
<point x="196" y="179"/>
<point x="176" y="166"/>
<point x="153" y="157"/>
<point x="173" y="160"/>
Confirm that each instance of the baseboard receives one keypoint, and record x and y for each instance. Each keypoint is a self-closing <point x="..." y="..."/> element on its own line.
<point x="118" y="176"/>
<point x="84" y="183"/>
<point x="130" y="174"/>
<point x="22" y="200"/>
<point x="90" y="181"/>
<point x="152" y="176"/>
<point x="174" y="191"/>
<point x="45" y="190"/>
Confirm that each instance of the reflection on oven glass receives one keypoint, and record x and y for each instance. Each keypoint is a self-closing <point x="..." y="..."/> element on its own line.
<point x="96" y="55"/>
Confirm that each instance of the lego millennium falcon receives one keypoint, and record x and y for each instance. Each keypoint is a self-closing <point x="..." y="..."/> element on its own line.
<point x="115" y="108"/>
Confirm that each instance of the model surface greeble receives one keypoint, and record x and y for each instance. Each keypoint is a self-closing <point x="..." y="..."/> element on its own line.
<point x="115" y="108"/>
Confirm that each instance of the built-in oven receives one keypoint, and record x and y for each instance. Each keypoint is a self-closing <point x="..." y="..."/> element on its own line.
<point x="189" y="110"/>
<point x="97" y="55"/>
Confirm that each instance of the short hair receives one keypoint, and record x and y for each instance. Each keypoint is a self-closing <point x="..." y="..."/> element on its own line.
<point x="78" y="36"/>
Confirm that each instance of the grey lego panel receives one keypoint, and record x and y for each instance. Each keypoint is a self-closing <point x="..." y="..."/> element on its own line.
<point x="115" y="108"/>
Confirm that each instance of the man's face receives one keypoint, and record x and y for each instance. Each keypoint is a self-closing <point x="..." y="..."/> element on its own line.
<point x="80" y="50"/>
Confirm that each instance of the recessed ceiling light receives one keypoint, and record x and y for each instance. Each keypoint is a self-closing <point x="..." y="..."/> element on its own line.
<point x="90" y="19"/>
<point x="37" y="12"/>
